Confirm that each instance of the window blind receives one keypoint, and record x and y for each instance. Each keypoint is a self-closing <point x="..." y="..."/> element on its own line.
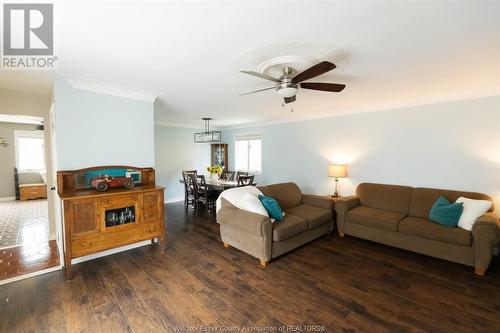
<point x="245" y="137"/>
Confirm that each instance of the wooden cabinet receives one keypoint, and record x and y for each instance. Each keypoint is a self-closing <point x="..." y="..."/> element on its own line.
<point x="97" y="221"/>
<point x="219" y="155"/>
<point x="32" y="191"/>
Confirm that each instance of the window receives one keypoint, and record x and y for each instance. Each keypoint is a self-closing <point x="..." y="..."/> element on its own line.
<point x="248" y="152"/>
<point x="30" y="153"/>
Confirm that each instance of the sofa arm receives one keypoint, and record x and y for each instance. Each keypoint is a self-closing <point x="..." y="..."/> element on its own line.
<point x="485" y="236"/>
<point x="318" y="201"/>
<point x="252" y="223"/>
<point x="342" y="206"/>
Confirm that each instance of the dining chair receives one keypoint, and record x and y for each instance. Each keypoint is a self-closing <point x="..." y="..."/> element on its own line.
<point x="227" y="175"/>
<point x="239" y="174"/>
<point x="246" y="180"/>
<point x="204" y="194"/>
<point x="189" y="190"/>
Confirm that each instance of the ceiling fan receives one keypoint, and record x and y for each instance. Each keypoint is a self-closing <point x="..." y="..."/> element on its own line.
<point x="288" y="84"/>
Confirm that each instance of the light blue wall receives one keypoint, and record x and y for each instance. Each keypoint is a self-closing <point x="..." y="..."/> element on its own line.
<point x="96" y="129"/>
<point x="453" y="145"/>
<point x="175" y="151"/>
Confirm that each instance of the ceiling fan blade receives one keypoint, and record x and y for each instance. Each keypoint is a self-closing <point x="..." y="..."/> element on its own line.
<point x="318" y="69"/>
<point x="334" y="87"/>
<point x="251" y="92"/>
<point x="290" y="99"/>
<point x="262" y="76"/>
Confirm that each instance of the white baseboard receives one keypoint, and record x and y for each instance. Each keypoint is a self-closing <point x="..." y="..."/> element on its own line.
<point x="174" y="200"/>
<point x="7" y="199"/>
<point x="108" y="252"/>
<point x="52" y="237"/>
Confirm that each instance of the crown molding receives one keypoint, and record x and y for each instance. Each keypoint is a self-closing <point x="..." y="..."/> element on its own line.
<point x="176" y="124"/>
<point x="107" y="88"/>
<point x="184" y="125"/>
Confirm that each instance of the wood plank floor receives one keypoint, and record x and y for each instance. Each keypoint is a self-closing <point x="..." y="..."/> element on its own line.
<point x="344" y="284"/>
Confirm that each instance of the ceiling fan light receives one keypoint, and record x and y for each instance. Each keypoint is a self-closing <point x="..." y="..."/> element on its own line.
<point x="288" y="91"/>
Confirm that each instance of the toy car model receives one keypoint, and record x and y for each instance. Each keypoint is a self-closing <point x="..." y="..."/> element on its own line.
<point x="104" y="182"/>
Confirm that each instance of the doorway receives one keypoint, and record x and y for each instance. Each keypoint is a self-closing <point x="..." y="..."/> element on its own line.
<point x="27" y="238"/>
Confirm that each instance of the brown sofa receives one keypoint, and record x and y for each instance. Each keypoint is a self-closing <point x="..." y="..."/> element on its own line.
<point x="398" y="216"/>
<point x="307" y="217"/>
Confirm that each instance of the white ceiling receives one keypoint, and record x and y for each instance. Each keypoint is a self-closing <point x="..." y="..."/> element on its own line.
<point x="394" y="54"/>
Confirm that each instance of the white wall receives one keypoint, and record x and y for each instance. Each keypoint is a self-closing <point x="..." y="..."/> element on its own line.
<point x="453" y="145"/>
<point x="95" y="129"/>
<point x="175" y="151"/>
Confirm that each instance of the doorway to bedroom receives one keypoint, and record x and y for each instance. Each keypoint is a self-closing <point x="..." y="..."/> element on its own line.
<point x="26" y="242"/>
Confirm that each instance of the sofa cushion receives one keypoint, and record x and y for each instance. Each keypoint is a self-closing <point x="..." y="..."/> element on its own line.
<point x="315" y="215"/>
<point x="376" y="218"/>
<point x="387" y="197"/>
<point x="446" y="213"/>
<point x="424" y="228"/>
<point x="473" y="209"/>
<point x="272" y="207"/>
<point x="290" y="226"/>
<point x="288" y="195"/>
<point x="265" y="190"/>
<point x="422" y="199"/>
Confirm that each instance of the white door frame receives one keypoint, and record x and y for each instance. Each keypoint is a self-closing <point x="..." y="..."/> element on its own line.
<point x="56" y="201"/>
<point x="53" y="187"/>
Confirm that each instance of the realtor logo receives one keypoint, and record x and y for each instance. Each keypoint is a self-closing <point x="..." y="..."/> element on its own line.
<point x="28" y="36"/>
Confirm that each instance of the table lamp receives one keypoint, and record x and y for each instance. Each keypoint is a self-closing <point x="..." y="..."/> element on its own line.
<point x="337" y="171"/>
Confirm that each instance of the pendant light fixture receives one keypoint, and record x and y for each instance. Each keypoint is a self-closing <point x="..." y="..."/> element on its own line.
<point x="207" y="136"/>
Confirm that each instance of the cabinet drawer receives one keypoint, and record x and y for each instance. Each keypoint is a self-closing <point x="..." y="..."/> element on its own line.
<point x="119" y="200"/>
<point x="33" y="192"/>
<point x="107" y="240"/>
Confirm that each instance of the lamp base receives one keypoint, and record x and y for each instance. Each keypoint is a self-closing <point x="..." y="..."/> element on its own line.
<point x="336" y="193"/>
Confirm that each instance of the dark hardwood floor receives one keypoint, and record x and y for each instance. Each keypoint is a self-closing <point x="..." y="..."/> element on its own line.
<point x="344" y="284"/>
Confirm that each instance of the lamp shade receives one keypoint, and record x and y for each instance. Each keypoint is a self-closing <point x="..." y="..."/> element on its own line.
<point x="337" y="171"/>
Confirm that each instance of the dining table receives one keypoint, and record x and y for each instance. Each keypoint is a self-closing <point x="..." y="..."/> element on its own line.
<point x="218" y="184"/>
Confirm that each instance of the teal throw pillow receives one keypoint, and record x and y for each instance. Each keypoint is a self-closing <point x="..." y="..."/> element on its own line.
<point x="446" y="213"/>
<point x="272" y="207"/>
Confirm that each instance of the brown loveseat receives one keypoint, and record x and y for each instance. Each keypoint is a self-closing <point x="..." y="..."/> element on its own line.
<point x="307" y="217"/>
<point x="397" y="216"/>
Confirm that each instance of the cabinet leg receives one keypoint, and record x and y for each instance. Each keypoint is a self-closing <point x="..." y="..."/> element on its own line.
<point x="263" y="262"/>
<point x="162" y="243"/>
<point x="67" y="270"/>
<point x="226" y="245"/>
